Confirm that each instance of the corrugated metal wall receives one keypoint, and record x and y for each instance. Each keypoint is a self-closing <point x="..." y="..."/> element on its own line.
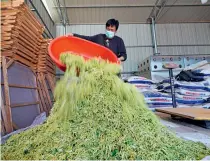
<point x="176" y="39"/>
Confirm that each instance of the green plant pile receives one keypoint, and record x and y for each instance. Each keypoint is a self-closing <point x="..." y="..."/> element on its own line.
<point x="97" y="116"/>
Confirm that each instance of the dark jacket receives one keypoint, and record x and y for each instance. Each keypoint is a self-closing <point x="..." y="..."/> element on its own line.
<point x="115" y="44"/>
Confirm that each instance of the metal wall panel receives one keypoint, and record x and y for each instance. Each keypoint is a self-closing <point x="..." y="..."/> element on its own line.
<point x="184" y="50"/>
<point x="204" y="50"/>
<point x="188" y="34"/>
<point x="183" y="39"/>
<point x="183" y="34"/>
<point x="179" y="50"/>
<point x="202" y="33"/>
<point x="59" y="30"/>
<point x="109" y="2"/>
<point x="136" y="55"/>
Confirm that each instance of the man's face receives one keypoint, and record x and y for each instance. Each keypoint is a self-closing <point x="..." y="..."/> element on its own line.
<point x="111" y="28"/>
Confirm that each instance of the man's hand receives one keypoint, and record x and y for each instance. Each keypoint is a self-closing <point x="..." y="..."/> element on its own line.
<point x="70" y="34"/>
<point x="121" y="58"/>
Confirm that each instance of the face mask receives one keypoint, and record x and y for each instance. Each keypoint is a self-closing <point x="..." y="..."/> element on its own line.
<point x="109" y="34"/>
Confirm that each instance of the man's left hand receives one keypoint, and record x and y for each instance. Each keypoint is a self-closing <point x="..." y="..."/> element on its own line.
<point x="121" y="58"/>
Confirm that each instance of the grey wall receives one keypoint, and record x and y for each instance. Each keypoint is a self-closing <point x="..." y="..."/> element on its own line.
<point x="183" y="39"/>
<point x="175" y="39"/>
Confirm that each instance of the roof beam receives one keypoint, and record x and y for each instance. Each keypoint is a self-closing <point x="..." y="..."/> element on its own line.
<point x="163" y="5"/>
<point x="106" y="6"/>
<point x="60" y="12"/>
<point x="157" y="10"/>
<point x="67" y="18"/>
<point x="127" y="6"/>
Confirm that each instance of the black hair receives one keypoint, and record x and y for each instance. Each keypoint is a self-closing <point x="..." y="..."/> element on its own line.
<point x="112" y="22"/>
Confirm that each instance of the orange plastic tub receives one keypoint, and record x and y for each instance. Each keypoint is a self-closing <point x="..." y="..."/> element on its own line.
<point x="80" y="47"/>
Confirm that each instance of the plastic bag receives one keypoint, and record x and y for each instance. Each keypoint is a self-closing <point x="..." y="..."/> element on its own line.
<point x="190" y="102"/>
<point x="204" y="85"/>
<point x="192" y="97"/>
<point x="155" y="94"/>
<point x="139" y="80"/>
<point x="38" y="121"/>
<point x="196" y="93"/>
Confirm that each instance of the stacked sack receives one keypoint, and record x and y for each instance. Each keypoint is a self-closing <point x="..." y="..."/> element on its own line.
<point x="155" y="99"/>
<point x="147" y="87"/>
<point x="141" y="83"/>
<point x="192" y="86"/>
<point x="188" y="93"/>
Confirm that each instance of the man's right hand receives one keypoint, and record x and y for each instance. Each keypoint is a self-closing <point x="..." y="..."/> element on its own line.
<point x="70" y="34"/>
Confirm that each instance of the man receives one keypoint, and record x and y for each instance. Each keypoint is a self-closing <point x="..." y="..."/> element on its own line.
<point x="109" y="39"/>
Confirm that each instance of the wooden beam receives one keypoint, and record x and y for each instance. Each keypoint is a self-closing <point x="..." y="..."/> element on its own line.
<point x="41" y="98"/>
<point x="50" y="81"/>
<point x="52" y="85"/>
<point x="11" y="61"/>
<point x="3" y="131"/>
<point x="41" y="106"/>
<point x="23" y="60"/>
<point x="20" y="86"/>
<point x="24" y="104"/>
<point x="44" y="92"/>
<point x="4" y="115"/>
<point x="7" y="96"/>
<point x="46" y="89"/>
<point x="190" y="113"/>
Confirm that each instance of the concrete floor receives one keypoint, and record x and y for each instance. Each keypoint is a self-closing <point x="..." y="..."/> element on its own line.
<point x="186" y="130"/>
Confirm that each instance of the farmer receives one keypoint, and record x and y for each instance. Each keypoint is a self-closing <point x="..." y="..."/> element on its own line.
<point x="109" y="39"/>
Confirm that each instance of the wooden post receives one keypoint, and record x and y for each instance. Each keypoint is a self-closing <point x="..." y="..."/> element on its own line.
<point x="4" y="118"/>
<point x="7" y="97"/>
<point x="3" y="132"/>
<point x="42" y="96"/>
<point x="51" y="83"/>
<point x="44" y="86"/>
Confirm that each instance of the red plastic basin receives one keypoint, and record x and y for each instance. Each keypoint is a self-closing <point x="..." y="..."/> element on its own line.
<point x="80" y="47"/>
